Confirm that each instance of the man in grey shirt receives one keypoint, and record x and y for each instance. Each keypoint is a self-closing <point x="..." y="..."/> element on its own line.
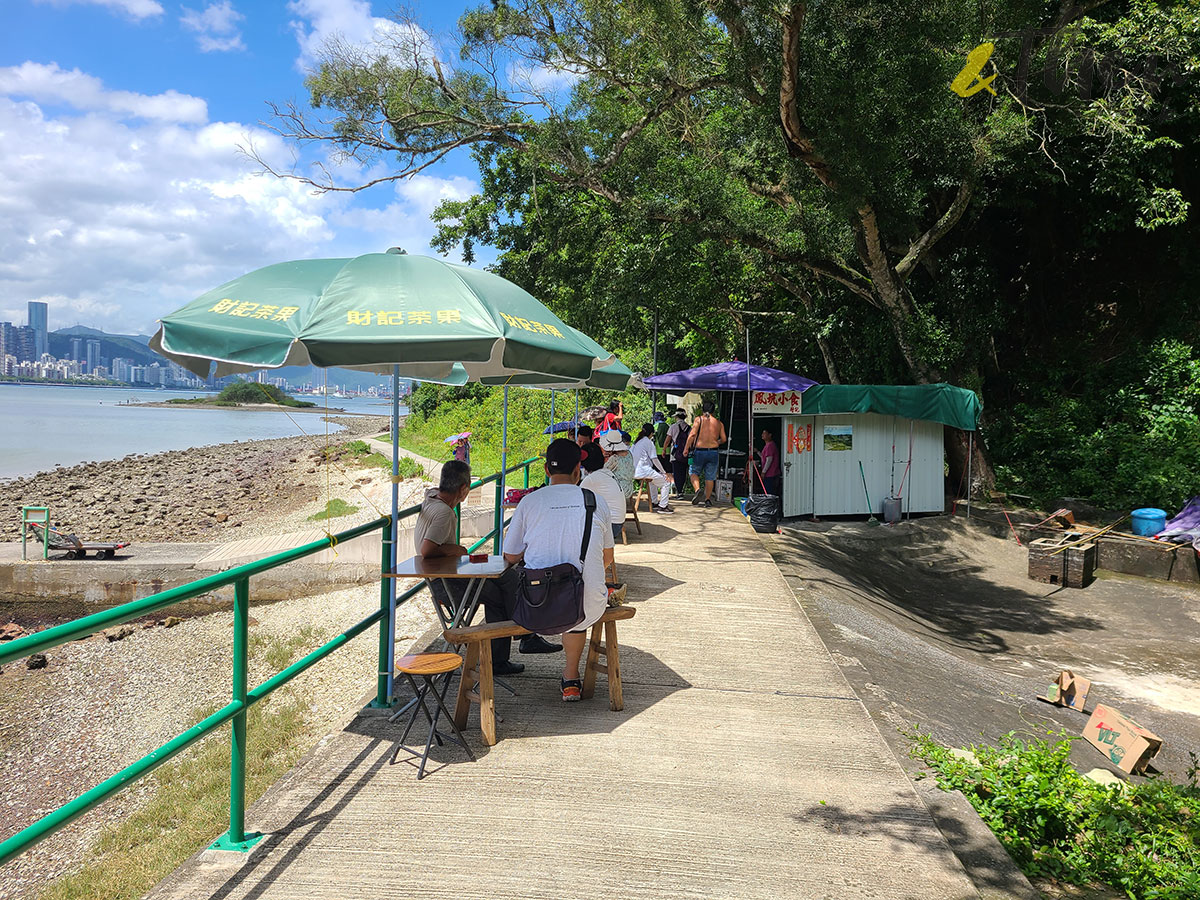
<point x="433" y="536"/>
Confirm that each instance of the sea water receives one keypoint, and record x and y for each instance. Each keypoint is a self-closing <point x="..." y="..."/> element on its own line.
<point x="42" y="426"/>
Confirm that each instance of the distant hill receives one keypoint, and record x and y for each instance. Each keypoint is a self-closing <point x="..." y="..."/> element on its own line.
<point x="112" y="346"/>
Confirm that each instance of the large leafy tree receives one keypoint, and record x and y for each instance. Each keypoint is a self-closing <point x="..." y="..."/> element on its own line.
<point x="803" y="154"/>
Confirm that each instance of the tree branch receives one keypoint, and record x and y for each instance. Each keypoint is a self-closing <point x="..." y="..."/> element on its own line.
<point x="798" y="139"/>
<point x="922" y="245"/>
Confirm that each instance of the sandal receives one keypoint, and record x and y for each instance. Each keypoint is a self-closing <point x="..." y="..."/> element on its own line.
<point x="572" y="691"/>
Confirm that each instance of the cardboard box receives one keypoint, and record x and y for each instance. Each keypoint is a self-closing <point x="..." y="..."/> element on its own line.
<point x="723" y="491"/>
<point x="1068" y="690"/>
<point x="1127" y="744"/>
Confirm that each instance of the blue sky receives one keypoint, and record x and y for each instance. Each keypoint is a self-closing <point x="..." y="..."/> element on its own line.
<point x="125" y="194"/>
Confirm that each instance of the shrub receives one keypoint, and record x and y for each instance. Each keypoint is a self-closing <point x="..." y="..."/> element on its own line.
<point x="253" y="392"/>
<point x="1142" y="839"/>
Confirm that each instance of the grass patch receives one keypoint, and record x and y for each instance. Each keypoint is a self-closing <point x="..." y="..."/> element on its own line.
<point x="280" y="652"/>
<point x="334" y="509"/>
<point x="190" y="807"/>
<point x="360" y="453"/>
<point x="1142" y="839"/>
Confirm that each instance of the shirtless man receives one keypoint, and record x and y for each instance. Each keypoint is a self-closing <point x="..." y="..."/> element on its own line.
<point x="706" y="436"/>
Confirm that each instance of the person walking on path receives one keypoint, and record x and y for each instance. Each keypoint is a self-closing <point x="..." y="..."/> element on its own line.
<point x="673" y="448"/>
<point x="646" y="465"/>
<point x="547" y="530"/>
<point x="707" y="435"/>
<point x="659" y="420"/>
<point x="768" y="458"/>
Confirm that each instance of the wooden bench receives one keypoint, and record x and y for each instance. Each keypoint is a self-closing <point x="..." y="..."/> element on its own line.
<point x="478" y="669"/>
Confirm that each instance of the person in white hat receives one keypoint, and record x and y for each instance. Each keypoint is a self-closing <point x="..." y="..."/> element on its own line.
<point x="618" y="460"/>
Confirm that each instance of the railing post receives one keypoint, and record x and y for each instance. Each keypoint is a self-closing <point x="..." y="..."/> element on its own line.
<point x="382" y="700"/>
<point x="527" y="473"/>
<point x="236" y="838"/>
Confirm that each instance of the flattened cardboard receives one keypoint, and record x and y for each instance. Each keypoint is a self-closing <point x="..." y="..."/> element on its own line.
<point x="1069" y="690"/>
<point x="1127" y="744"/>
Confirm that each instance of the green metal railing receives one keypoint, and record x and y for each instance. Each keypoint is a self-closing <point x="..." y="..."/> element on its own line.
<point x="236" y="837"/>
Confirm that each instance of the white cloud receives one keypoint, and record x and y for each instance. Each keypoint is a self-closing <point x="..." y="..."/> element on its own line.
<point x="136" y="9"/>
<point x="115" y="218"/>
<point x="350" y="21"/>
<point x="405" y="221"/>
<point x="50" y="84"/>
<point x="216" y="26"/>
<point x="542" y="80"/>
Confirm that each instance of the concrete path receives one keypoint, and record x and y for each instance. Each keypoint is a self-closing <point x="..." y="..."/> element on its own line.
<point x="742" y="766"/>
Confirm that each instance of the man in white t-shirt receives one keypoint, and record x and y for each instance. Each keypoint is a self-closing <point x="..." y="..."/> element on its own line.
<point x="547" y="530"/>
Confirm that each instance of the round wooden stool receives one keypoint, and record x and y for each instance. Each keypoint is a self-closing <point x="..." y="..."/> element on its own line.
<point x="427" y="667"/>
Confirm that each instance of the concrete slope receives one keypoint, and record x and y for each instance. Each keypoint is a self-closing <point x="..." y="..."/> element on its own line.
<point x="743" y="766"/>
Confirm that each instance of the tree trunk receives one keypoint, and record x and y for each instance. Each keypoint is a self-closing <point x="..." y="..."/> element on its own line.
<point x="983" y="478"/>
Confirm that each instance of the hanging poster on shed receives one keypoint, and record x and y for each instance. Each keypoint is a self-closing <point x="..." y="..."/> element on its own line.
<point x="839" y="437"/>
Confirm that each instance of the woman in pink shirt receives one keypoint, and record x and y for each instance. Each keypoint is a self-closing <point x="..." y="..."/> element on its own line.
<point x="768" y="460"/>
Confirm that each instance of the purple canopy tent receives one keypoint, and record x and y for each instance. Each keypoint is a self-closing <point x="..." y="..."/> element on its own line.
<point x="730" y="376"/>
<point x="734" y="377"/>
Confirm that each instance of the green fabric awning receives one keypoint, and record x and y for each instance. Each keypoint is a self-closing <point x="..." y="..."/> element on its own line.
<point x="945" y="403"/>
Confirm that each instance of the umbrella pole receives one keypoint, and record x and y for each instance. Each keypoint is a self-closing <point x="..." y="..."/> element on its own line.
<point x="391" y="654"/>
<point x="576" y="410"/>
<point x="551" y="413"/>
<point x="503" y="467"/>
<point x="749" y="419"/>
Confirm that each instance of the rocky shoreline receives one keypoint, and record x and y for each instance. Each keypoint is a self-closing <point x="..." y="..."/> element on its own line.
<point x="198" y="494"/>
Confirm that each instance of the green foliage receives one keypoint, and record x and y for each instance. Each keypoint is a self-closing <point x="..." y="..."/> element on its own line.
<point x="334" y="508"/>
<point x="480" y="411"/>
<point x="1123" y="438"/>
<point x="656" y="184"/>
<point x="253" y="392"/>
<point x="1142" y="839"/>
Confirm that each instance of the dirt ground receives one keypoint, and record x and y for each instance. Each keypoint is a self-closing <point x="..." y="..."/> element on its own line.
<point x="935" y="623"/>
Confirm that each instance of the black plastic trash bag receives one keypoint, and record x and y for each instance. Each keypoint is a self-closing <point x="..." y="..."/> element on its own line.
<point x="763" y="512"/>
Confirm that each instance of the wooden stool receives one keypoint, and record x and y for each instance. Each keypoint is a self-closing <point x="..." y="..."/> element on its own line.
<point x="643" y="488"/>
<point x="428" y="666"/>
<point x="630" y="509"/>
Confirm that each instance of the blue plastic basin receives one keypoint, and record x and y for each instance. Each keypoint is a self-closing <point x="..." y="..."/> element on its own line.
<point x="1149" y="521"/>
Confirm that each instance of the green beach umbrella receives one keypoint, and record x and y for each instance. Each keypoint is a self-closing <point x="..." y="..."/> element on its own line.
<point x="410" y="316"/>
<point x="374" y="312"/>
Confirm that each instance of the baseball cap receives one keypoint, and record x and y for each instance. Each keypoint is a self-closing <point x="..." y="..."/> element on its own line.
<point x="562" y="456"/>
